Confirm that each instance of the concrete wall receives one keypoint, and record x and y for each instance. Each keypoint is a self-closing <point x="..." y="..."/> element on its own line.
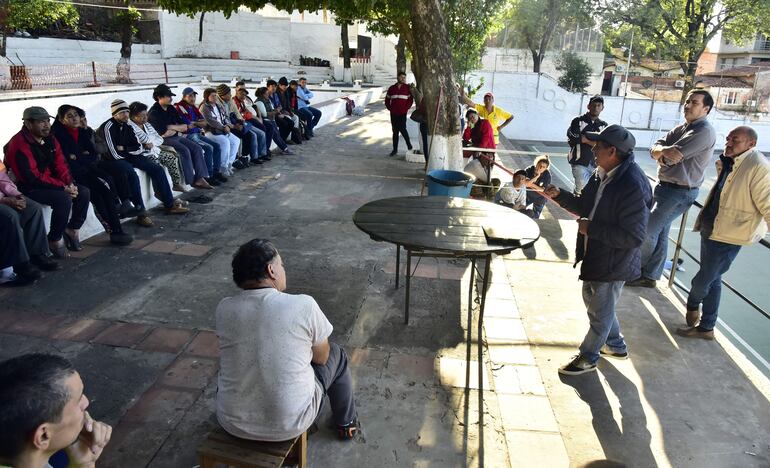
<point x="255" y="37"/>
<point x="543" y="111"/>
<point x="49" y="51"/>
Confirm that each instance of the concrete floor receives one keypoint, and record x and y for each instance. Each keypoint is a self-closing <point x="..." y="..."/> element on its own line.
<point x="137" y="322"/>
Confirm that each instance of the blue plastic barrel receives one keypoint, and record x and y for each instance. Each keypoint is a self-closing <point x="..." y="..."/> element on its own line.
<point x="450" y="183"/>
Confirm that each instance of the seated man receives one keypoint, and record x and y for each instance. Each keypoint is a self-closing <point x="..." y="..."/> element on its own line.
<point x="307" y="112"/>
<point x="276" y="362"/>
<point x="254" y="140"/>
<point x="245" y="106"/>
<point x="514" y="194"/>
<point x="22" y="234"/>
<point x="43" y="411"/>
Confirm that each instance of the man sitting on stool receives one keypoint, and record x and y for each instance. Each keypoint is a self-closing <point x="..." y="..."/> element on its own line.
<point x="276" y="362"/>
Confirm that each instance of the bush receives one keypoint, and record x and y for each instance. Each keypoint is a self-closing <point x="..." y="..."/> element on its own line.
<point x="39" y="14"/>
<point x="576" y="72"/>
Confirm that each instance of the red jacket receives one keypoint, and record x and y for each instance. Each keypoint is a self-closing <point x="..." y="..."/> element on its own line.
<point x="43" y="167"/>
<point x="481" y="135"/>
<point x="399" y="99"/>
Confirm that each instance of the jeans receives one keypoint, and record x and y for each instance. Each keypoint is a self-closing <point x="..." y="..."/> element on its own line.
<point x="715" y="259"/>
<point x="261" y="140"/>
<point x="191" y="155"/>
<point x="22" y="233"/>
<point x="581" y="174"/>
<point x="63" y="208"/>
<point x="228" y="148"/>
<point x="157" y="175"/>
<point x="277" y="138"/>
<point x="248" y="140"/>
<point x="668" y="204"/>
<point x="311" y="116"/>
<point x="600" y="298"/>
<point x="268" y="132"/>
<point x="211" y="151"/>
<point x="537" y="201"/>
<point x="335" y="378"/>
<point x="398" y="125"/>
<point x="103" y="197"/>
<point x="424" y="136"/>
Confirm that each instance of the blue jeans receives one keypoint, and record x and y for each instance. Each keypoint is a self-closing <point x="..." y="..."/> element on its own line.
<point x="157" y="175"/>
<point x="211" y="151"/>
<point x="715" y="259"/>
<point x="668" y="204"/>
<point x="311" y="116"/>
<point x="581" y="174"/>
<point x="259" y="135"/>
<point x="600" y="298"/>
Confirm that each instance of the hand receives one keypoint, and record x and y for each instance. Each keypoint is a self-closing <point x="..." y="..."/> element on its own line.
<point x="20" y="202"/>
<point x="585" y="140"/>
<point x="190" y="125"/>
<point x="227" y="130"/>
<point x="238" y="126"/>
<point x="147" y="145"/>
<point x="552" y="191"/>
<point x="72" y="189"/>
<point x="89" y="445"/>
<point x="13" y="202"/>
<point x="672" y="155"/>
<point x="583" y="225"/>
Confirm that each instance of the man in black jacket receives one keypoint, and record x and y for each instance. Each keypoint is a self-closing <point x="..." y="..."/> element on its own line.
<point x="580" y="157"/>
<point x="613" y="209"/>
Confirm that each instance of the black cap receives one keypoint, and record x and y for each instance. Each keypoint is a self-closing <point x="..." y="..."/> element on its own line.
<point x="616" y="136"/>
<point x="283" y="81"/>
<point x="162" y="90"/>
<point x="596" y="99"/>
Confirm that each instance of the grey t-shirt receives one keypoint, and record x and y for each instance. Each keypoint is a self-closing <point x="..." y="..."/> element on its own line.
<point x="267" y="388"/>
<point x="696" y="142"/>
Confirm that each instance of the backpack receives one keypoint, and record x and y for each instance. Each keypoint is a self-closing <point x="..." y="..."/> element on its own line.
<point x="349" y="105"/>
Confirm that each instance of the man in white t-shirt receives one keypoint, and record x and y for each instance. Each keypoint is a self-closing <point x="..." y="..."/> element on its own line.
<point x="276" y="361"/>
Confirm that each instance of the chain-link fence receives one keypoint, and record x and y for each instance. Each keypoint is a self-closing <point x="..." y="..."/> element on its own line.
<point x="30" y="77"/>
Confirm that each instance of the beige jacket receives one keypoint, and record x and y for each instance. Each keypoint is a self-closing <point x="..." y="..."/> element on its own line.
<point x="744" y="202"/>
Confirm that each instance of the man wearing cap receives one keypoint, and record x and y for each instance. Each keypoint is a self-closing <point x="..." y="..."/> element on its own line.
<point x="498" y="117"/>
<point x="736" y="213"/>
<point x="166" y="121"/>
<point x="42" y="174"/>
<point x="122" y="145"/>
<point x="613" y="209"/>
<point x="190" y="115"/>
<point x="250" y="114"/>
<point x="682" y="156"/>
<point x="398" y="101"/>
<point x="310" y="114"/>
<point x="581" y="156"/>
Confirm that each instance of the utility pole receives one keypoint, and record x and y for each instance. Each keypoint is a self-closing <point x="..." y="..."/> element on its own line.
<point x="628" y="70"/>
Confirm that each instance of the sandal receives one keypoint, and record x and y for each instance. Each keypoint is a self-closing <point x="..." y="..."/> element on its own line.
<point x="348" y="431"/>
<point x="72" y="243"/>
<point x="58" y="251"/>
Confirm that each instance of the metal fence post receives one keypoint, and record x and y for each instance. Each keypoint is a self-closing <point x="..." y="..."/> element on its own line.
<point x="675" y="260"/>
<point x="165" y="71"/>
<point x="93" y="70"/>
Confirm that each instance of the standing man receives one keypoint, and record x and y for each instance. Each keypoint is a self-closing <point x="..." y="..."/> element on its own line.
<point x="581" y="156"/>
<point x="682" y="158"/>
<point x="498" y="117"/>
<point x="613" y="207"/>
<point x="731" y="217"/>
<point x="399" y="100"/>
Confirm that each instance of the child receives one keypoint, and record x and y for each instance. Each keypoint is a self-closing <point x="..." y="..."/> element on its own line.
<point x="514" y="194"/>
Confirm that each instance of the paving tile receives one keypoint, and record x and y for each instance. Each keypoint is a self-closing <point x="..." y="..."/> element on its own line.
<point x="35" y="324"/>
<point x="87" y="251"/>
<point x="411" y="367"/>
<point x="192" y="250"/>
<point x="204" y="344"/>
<point x="133" y="444"/>
<point x="138" y="244"/>
<point x="101" y="240"/>
<point x="161" y="406"/>
<point x="527" y="413"/>
<point x="161" y="247"/>
<point x="9" y="317"/>
<point x="500" y="330"/>
<point x="506" y="353"/>
<point x="519" y="380"/>
<point x="189" y="372"/>
<point x="367" y="357"/>
<point x="527" y="448"/>
<point x="452" y="373"/>
<point x="122" y="334"/>
<point x="166" y="340"/>
<point x="506" y="380"/>
<point x="501" y="308"/>
<point x="81" y="330"/>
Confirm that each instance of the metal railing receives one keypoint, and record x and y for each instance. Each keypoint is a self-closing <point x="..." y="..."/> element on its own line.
<point x="679" y="248"/>
<point x="88" y="74"/>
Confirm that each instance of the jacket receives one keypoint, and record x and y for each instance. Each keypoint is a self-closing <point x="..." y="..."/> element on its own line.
<point x="7" y="187"/>
<point x="81" y="155"/>
<point x="399" y="99"/>
<point x="245" y="108"/>
<point x="189" y="114"/>
<point x="232" y="112"/>
<point x="744" y="202"/>
<point x="304" y="96"/>
<point x="146" y="134"/>
<point x="216" y="124"/>
<point x="480" y="135"/>
<point x="120" y="140"/>
<point x="39" y="167"/>
<point x="618" y="226"/>
<point x="581" y="154"/>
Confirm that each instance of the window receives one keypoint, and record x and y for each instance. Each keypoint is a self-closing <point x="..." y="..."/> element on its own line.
<point x="731" y="97"/>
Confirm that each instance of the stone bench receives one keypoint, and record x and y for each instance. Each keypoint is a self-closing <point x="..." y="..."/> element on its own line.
<point x="222" y="449"/>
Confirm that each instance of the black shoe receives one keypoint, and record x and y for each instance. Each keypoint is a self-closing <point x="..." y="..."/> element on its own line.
<point x="256" y="162"/>
<point x="266" y="157"/>
<point x="72" y="243"/>
<point x="25" y="274"/>
<point x="120" y="238"/>
<point x="269" y="153"/>
<point x="393" y="153"/>
<point x="220" y="177"/>
<point x="44" y="263"/>
<point x="607" y="352"/>
<point x="641" y="282"/>
<point x="238" y="164"/>
<point x="578" y="365"/>
<point x="409" y="147"/>
<point x="213" y="181"/>
<point x="127" y="210"/>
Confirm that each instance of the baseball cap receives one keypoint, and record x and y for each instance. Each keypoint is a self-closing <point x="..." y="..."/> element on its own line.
<point x="490" y="95"/>
<point x="596" y="99"/>
<point x="188" y="90"/>
<point x="162" y="90"/>
<point x="35" y="113"/>
<point x="616" y="136"/>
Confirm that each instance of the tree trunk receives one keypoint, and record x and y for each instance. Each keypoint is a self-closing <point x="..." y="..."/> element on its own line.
<point x="435" y="62"/>
<point x="200" y="27"/>
<point x="536" y="60"/>
<point x="346" y="74"/>
<point x="400" y="55"/>
<point x="126" y="37"/>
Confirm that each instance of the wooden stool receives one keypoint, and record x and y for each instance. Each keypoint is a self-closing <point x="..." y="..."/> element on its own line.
<point x="220" y="448"/>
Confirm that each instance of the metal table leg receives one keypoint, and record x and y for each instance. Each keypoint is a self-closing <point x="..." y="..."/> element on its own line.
<point x="480" y="348"/>
<point x="398" y="263"/>
<point x="408" y="284"/>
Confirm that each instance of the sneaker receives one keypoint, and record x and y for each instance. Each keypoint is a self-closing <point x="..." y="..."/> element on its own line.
<point x="256" y="161"/>
<point x="695" y="332"/>
<point x="641" y="282"/>
<point x="144" y="220"/>
<point x="25" y="274"/>
<point x="238" y="164"/>
<point x="609" y="353"/>
<point x="288" y="151"/>
<point x="44" y="263"/>
<point x="120" y="238"/>
<point x="348" y="431"/>
<point x="692" y="317"/>
<point x="393" y="153"/>
<point x="266" y="157"/>
<point x="578" y="365"/>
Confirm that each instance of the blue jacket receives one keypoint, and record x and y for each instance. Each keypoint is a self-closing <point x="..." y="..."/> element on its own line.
<point x="618" y="227"/>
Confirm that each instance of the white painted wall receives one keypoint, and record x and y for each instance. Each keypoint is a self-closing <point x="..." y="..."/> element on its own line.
<point x="543" y="111"/>
<point x="49" y="51"/>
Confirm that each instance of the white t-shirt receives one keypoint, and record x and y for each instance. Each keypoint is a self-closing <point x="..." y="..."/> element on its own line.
<point x="267" y="388"/>
<point x="512" y="195"/>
